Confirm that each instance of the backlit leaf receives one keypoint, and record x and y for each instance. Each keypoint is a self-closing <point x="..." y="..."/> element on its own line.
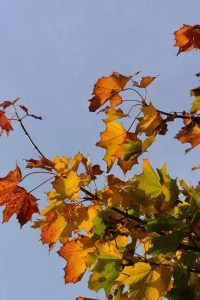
<point x="151" y="122"/>
<point x="107" y="88"/>
<point x="147" y="282"/>
<point x="79" y="255"/>
<point x="148" y="181"/>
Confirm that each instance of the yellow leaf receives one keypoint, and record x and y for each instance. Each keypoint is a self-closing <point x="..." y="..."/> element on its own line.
<point x="108" y="250"/>
<point x="112" y="139"/>
<point x="151" y="122"/>
<point x="67" y="188"/>
<point x="146" y="283"/>
<point x="86" y="216"/>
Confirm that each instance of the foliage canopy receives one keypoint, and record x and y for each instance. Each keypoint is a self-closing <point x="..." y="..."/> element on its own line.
<point x="140" y="238"/>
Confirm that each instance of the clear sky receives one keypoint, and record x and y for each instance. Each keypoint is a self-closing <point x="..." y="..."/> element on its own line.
<point x="51" y="54"/>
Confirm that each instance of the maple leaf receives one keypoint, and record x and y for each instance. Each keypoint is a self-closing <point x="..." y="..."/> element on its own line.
<point x="16" y="199"/>
<point x="5" y="124"/>
<point x="189" y="134"/>
<point x="112" y="139"/>
<point x="107" y="88"/>
<point x="108" y="250"/>
<point x="145" y="81"/>
<point x="149" y="181"/>
<point x="22" y="203"/>
<point x="67" y="187"/>
<point x="86" y="216"/>
<point x="80" y="255"/>
<point x="151" y="122"/>
<point x="146" y="282"/>
<point x="58" y="221"/>
<point x="187" y="38"/>
<point x="9" y="182"/>
<point x="103" y="275"/>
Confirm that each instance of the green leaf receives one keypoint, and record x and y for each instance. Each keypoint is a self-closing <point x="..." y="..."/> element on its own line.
<point x="169" y="187"/>
<point x="191" y="193"/>
<point x="103" y="275"/>
<point x="182" y="293"/>
<point x="148" y="181"/>
<point x="167" y="222"/>
<point x="131" y="148"/>
<point x="99" y="225"/>
<point x="166" y="243"/>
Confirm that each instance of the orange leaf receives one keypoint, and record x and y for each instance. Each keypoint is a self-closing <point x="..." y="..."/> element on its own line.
<point x="16" y="199"/>
<point x="79" y="256"/>
<point x="22" y="203"/>
<point x="58" y="223"/>
<point x="187" y="38"/>
<point x="107" y="88"/>
<point x="145" y="81"/>
<point x="189" y="134"/>
<point x="5" y="124"/>
<point x="8" y="183"/>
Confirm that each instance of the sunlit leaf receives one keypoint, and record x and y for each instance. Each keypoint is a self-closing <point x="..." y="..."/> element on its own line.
<point x="107" y="88"/>
<point x="80" y="255"/>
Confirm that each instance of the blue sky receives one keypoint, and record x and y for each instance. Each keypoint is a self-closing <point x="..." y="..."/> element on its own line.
<point x="51" y="54"/>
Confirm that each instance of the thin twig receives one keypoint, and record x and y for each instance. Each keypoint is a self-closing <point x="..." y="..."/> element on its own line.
<point x="27" y="134"/>
<point x="37" y="172"/>
<point x="42" y="183"/>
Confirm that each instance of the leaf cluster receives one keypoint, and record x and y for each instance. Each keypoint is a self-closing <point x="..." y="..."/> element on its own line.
<point x="139" y="238"/>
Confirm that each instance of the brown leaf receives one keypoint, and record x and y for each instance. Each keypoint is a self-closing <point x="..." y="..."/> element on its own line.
<point x="187" y="38"/>
<point x="7" y="103"/>
<point x="42" y="163"/>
